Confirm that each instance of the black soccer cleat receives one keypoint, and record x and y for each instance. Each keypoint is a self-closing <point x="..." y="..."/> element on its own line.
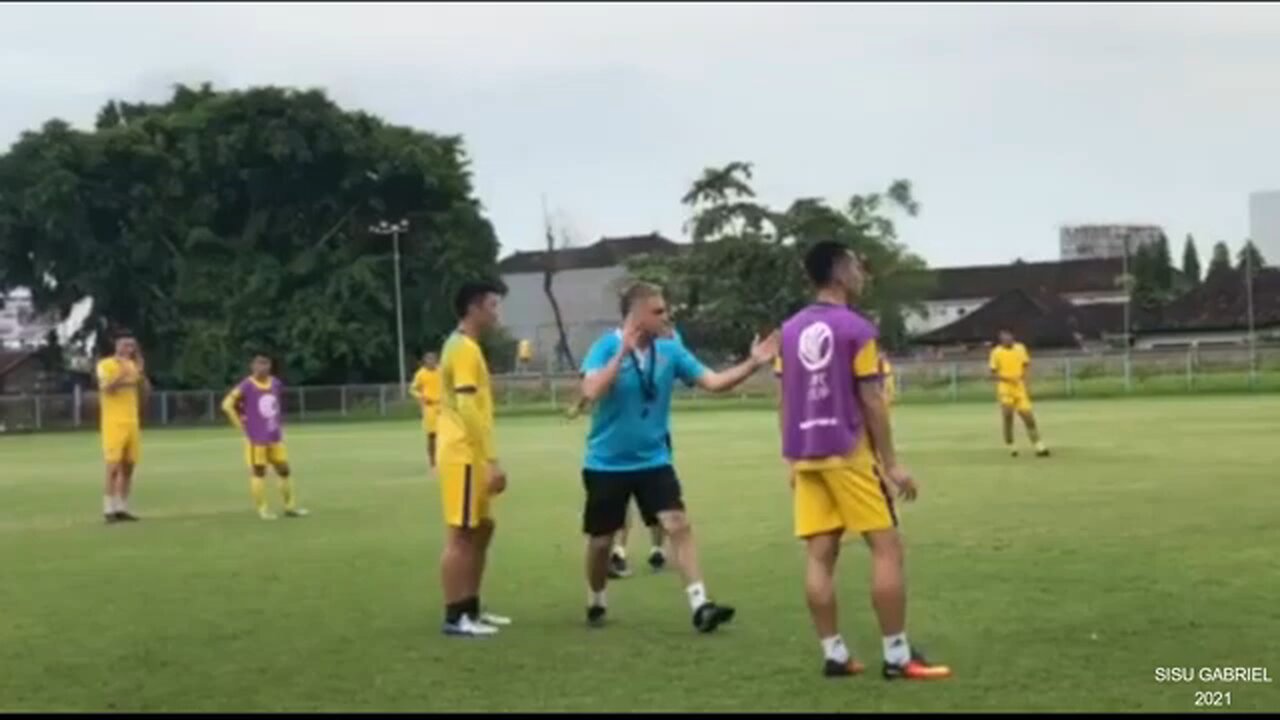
<point x="711" y="616"/>
<point x="110" y="518"/>
<point x="850" y="668"/>
<point x="126" y="516"/>
<point x="618" y="567"/>
<point x="657" y="559"/>
<point x="595" y="616"/>
<point x="1042" y="453"/>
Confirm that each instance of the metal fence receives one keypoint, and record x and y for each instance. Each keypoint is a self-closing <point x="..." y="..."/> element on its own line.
<point x="1152" y="372"/>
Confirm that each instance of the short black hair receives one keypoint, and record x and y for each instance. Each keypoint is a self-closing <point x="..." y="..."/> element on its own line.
<point x="473" y="291"/>
<point x="123" y="334"/>
<point x="821" y="259"/>
<point x="636" y="291"/>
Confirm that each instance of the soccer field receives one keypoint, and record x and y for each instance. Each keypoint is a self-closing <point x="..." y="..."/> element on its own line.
<point x="1149" y="540"/>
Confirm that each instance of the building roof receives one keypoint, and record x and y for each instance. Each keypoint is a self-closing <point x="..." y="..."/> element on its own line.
<point x="11" y="359"/>
<point x="1221" y="303"/>
<point x="605" y="252"/>
<point x="1038" y="319"/>
<point x="1058" y="278"/>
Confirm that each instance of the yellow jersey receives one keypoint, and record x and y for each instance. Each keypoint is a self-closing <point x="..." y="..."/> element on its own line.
<point x="426" y="383"/>
<point x="1010" y="363"/>
<point x="120" y="407"/>
<point x="466" y="411"/>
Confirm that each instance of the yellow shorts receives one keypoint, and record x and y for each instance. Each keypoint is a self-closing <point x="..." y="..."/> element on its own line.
<point x="1013" y="395"/>
<point x="430" y="418"/>
<point x="122" y="443"/>
<point x="849" y="496"/>
<point x="464" y="494"/>
<point x="263" y="455"/>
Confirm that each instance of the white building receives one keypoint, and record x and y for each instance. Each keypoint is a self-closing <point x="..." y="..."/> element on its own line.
<point x="1077" y="242"/>
<point x="586" y="286"/>
<point x="1264" y="224"/>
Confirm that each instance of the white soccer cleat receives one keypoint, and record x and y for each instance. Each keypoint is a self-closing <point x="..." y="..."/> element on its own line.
<point x="296" y="513"/>
<point x="492" y="620"/>
<point x="466" y="627"/>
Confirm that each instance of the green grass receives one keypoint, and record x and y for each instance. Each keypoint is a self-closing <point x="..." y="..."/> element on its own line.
<point x="1150" y="539"/>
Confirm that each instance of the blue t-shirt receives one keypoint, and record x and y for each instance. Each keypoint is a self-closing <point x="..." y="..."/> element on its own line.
<point x="630" y="425"/>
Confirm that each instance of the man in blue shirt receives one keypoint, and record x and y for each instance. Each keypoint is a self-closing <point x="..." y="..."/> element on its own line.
<point x="629" y="375"/>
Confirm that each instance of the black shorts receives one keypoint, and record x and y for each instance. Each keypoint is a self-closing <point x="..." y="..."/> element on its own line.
<point x="608" y="494"/>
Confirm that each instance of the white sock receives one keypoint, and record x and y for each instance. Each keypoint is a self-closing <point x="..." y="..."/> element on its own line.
<point x="108" y="504"/>
<point x="596" y="599"/>
<point x="896" y="649"/>
<point x="620" y="551"/>
<point x="833" y="648"/>
<point x="121" y="504"/>
<point x="697" y="593"/>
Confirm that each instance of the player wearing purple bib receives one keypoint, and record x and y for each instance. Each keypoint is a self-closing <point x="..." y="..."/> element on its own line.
<point x="841" y="460"/>
<point x="254" y="406"/>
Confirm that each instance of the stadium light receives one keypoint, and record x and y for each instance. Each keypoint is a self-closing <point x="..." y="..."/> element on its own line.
<point x="384" y="228"/>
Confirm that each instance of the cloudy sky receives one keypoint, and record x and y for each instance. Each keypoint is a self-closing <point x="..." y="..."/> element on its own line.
<point x="1010" y="120"/>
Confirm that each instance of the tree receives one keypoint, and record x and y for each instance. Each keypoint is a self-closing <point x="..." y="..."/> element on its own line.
<point x="1191" y="262"/>
<point x="1250" y="256"/>
<point x="1219" y="264"/>
<point x="218" y="223"/>
<point x="1152" y="270"/>
<point x="751" y="277"/>
<point x="550" y="266"/>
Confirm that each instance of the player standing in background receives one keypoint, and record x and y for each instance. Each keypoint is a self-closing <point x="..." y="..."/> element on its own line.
<point x="426" y="388"/>
<point x="835" y="437"/>
<point x="629" y="376"/>
<point x="254" y="406"/>
<point x="1010" y="363"/>
<point x="468" y="463"/>
<point x="121" y="382"/>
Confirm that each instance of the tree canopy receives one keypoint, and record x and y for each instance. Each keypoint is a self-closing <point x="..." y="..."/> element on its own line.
<point x="219" y="223"/>
<point x="743" y="273"/>
<point x="1191" y="262"/>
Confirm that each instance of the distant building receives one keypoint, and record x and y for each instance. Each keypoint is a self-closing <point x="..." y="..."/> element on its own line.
<point x="956" y="292"/>
<point x="1264" y="224"/>
<point x="1078" y="242"/>
<point x="586" y="287"/>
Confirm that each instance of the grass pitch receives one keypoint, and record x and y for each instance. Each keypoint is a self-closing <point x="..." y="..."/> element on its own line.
<point x="1149" y="540"/>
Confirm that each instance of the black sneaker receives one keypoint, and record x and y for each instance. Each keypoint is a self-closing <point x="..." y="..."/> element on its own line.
<point x="110" y="518"/>
<point x="657" y="559"/>
<point x="711" y="616"/>
<point x="618" y="567"/>
<point x="1042" y="453"/>
<point x="126" y="516"/>
<point x="833" y="669"/>
<point x="595" y="616"/>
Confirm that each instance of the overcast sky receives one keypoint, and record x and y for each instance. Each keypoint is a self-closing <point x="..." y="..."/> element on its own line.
<point x="1010" y="120"/>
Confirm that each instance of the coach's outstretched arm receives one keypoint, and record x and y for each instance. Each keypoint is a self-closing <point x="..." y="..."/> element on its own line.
<point x="762" y="353"/>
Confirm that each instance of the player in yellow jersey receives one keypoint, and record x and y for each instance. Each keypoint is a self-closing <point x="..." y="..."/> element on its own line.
<point x="470" y="474"/>
<point x="426" y="388"/>
<point x="1010" y="364"/>
<point x="121" y="381"/>
<point x="255" y="406"/>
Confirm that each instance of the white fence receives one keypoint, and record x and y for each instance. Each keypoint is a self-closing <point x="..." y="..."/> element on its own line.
<point x="1152" y="372"/>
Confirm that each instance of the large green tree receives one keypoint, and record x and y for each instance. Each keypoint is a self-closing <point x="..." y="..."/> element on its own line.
<point x="743" y="273"/>
<point x="1219" y="263"/>
<point x="1250" y="256"/>
<point x="219" y="222"/>
<point x="1152" y="270"/>
<point x="1190" y="262"/>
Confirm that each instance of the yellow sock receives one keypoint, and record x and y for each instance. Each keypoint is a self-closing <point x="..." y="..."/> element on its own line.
<point x="286" y="493"/>
<point x="258" y="489"/>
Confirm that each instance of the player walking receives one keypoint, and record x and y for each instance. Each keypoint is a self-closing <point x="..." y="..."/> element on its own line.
<point x="629" y="375"/>
<point x="1010" y="364"/>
